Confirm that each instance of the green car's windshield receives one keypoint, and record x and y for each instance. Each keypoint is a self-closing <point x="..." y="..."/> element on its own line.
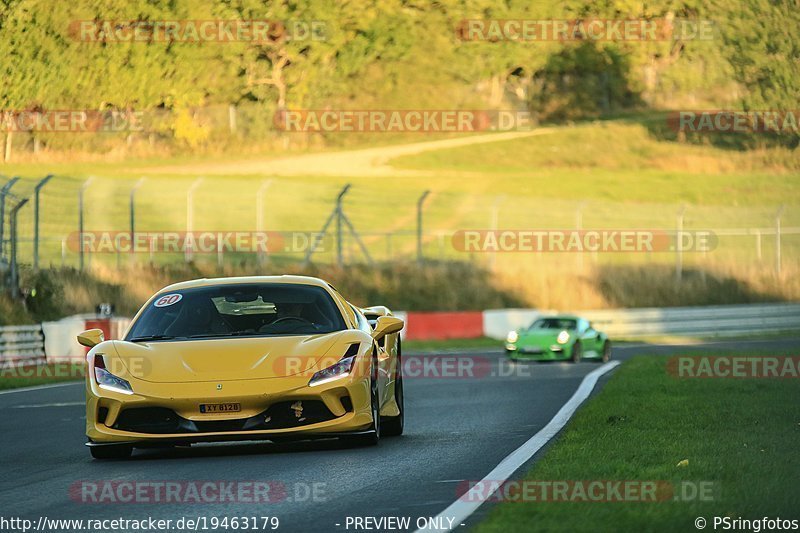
<point x="238" y="310"/>
<point x="554" y="323"/>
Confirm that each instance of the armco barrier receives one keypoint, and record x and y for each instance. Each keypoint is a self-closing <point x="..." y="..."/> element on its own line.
<point x="21" y="345"/>
<point x="714" y="321"/>
<point x="60" y="338"/>
<point x="434" y="325"/>
<point x="719" y="321"/>
<point x="51" y="341"/>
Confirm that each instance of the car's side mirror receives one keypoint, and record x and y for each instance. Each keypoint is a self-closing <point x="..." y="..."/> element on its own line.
<point x="91" y="338"/>
<point x="385" y="326"/>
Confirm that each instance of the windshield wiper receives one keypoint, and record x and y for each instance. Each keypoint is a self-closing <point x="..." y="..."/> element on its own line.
<point x="144" y="338"/>
<point x="227" y="334"/>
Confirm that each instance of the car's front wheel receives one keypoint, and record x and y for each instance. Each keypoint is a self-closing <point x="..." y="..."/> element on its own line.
<point x="606" y="351"/>
<point x="577" y="352"/>
<point x="373" y="434"/>
<point x="112" y="451"/>
<point x="392" y="426"/>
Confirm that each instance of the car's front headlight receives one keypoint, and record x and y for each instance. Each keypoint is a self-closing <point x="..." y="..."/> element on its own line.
<point x="512" y="337"/>
<point x="108" y="381"/>
<point x="563" y="337"/>
<point x="335" y="371"/>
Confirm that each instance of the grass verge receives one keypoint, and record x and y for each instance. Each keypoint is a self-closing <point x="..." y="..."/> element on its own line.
<point x="451" y="344"/>
<point x="30" y="376"/>
<point x="739" y="434"/>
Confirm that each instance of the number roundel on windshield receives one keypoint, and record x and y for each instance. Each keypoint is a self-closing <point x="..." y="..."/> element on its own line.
<point x="167" y="300"/>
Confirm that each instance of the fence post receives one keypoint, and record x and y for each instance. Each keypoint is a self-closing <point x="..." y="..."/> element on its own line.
<point x="14" y="267"/>
<point x="5" y="190"/>
<point x="232" y="118"/>
<point x="133" y="212"/>
<point x="420" y="256"/>
<point x="778" y="240"/>
<point x="339" y="243"/>
<point x="758" y="244"/>
<point x="494" y="225"/>
<point x="260" y="215"/>
<point x="188" y="250"/>
<point x="81" y="193"/>
<point x="679" y="244"/>
<point x="578" y="228"/>
<point x="36" y="192"/>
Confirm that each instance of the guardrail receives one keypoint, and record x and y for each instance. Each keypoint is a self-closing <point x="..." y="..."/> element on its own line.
<point x="21" y="345"/>
<point x="707" y="321"/>
<point x="716" y="321"/>
<point x="53" y="341"/>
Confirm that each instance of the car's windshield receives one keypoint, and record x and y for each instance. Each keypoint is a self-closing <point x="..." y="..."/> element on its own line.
<point x="238" y="310"/>
<point x="554" y="323"/>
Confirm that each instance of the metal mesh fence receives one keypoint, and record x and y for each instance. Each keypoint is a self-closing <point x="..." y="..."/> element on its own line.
<point x="378" y="216"/>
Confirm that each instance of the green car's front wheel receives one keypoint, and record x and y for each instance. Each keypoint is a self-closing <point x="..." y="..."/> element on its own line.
<point x="577" y="352"/>
<point x="606" y="351"/>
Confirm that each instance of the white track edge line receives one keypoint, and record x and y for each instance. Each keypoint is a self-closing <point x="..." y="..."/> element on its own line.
<point x="40" y="387"/>
<point x="460" y="510"/>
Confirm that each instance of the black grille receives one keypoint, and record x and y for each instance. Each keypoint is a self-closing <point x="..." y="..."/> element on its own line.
<point x="347" y="403"/>
<point x="282" y="415"/>
<point x="149" y="420"/>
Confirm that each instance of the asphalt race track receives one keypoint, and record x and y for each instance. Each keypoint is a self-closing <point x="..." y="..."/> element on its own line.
<point x="457" y="428"/>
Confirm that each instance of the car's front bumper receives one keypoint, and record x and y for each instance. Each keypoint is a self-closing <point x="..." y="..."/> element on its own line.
<point x="538" y="353"/>
<point x="162" y="413"/>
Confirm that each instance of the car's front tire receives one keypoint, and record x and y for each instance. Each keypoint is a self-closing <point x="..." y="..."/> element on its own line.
<point x="606" y="351"/>
<point x="373" y="435"/>
<point x="392" y="426"/>
<point x="112" y="451"/>
<point x="577" y="352"/>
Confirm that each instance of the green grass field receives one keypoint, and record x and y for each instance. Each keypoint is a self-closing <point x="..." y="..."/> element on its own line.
<point x="738" y="434"/>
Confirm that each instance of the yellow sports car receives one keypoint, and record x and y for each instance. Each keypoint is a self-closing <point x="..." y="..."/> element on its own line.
<point x="250" y="358"/>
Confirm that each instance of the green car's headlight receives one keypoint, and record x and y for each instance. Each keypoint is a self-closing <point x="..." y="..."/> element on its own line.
<point x="512" y="337"/>
<point x="563" y="337"/>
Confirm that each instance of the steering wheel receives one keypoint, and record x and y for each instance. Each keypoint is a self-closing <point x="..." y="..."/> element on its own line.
<point x="284" y="318"/>
<point x="300" y="322"/>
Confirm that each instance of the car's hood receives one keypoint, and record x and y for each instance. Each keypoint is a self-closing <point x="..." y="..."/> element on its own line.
<point x="544" y="336"/>
<point x="225" y="359"/>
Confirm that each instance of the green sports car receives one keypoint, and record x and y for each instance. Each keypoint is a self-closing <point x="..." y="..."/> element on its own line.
<point x="558" y="338"/>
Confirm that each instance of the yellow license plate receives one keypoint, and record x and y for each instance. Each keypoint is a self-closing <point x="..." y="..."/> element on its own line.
<point x="220" y="407"/>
